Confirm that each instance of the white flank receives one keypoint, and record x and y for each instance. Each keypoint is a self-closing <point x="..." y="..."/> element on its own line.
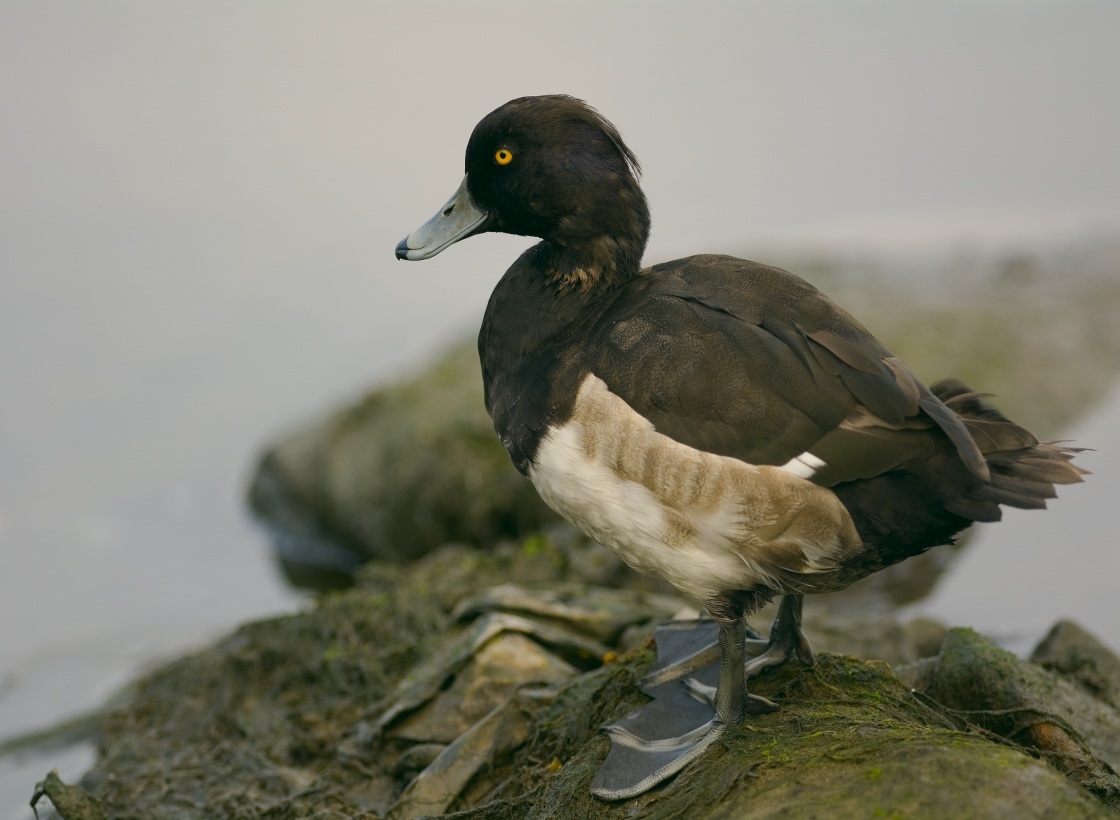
<point x="705" y="523"/>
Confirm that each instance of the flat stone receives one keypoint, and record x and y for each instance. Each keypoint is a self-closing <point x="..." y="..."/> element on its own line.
<point x="437" y="787"/>
<point x="601" y="613"/>
<point x="441" y="668"/>
<point x="497" y="670"/>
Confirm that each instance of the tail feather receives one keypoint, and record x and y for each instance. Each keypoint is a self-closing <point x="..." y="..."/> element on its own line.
<point x="1023" y="470"/>
<point x="928" y="501"/>
<point x="997" y="436"/>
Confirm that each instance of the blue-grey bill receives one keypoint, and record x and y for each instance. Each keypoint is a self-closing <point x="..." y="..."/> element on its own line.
<point x="456" y="220"/>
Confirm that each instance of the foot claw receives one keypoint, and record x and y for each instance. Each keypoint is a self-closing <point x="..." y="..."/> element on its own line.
<point x="758" y="705"/>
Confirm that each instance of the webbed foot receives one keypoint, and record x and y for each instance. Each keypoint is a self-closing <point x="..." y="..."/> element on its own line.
<point x="635" y="765"/>
<point x="657" y="741"/>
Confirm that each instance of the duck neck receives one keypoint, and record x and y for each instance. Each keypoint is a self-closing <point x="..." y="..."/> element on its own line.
<point x="554" y="286"/>
<point x="591" y="267"/>
<point x="598" y="251"/>
<point x="540" y="301"/>
<point x="570" y="277"/>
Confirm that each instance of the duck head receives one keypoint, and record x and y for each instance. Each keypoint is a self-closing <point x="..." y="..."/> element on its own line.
<point x="550" y="167"/>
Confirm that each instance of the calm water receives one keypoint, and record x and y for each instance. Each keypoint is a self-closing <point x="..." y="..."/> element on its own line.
<point x="199" y="203"/>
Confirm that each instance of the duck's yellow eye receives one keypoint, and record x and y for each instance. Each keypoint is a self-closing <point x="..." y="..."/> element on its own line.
<point x="503" y="156"/>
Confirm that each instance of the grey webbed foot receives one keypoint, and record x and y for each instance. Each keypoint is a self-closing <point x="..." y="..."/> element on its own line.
<point x="635" y="766"/>
<point x="686" y="647"/>
<point x="658" y="740"/>
<point x="754" y="704"/>
<point x="655" y="742"/>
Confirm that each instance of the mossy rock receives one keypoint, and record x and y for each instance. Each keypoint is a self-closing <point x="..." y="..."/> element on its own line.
<point x="849" y="741"/>
<point x="278" y="720"/>
<point x="411" y="466"/>
<point x="1029" y="706"/>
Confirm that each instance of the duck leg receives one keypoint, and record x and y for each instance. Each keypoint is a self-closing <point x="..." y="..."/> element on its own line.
<point x="686" y="647"/>
<point x="787" y="640"/>
<point x="641" y="754"/>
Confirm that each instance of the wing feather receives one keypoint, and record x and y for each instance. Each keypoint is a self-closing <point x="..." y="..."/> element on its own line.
<point x="749" y="361"/>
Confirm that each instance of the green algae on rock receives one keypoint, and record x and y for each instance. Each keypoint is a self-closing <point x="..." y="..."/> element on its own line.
<point x="849" y="741"/>
<point x="284" y="717"/>
<point x="1030" y="707"/>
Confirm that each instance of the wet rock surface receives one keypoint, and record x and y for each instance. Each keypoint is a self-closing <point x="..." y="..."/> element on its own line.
<point x="1030" y="707"/>
<point x="452" y="686"/>
<point x="1076" y="654"/>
